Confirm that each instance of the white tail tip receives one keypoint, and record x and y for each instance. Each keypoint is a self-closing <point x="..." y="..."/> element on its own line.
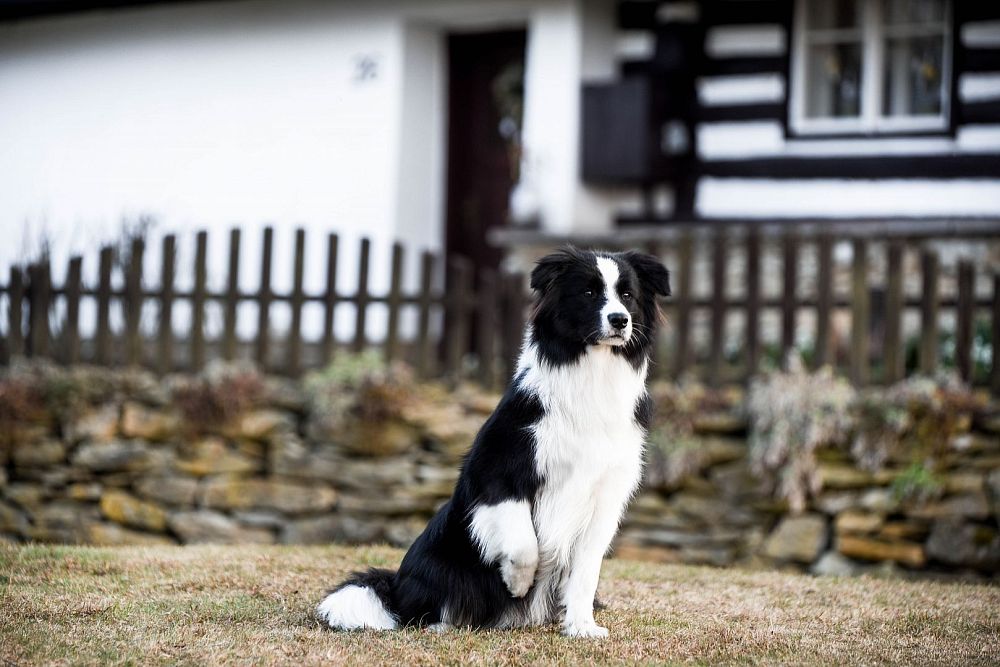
<point x="355" y="608"/>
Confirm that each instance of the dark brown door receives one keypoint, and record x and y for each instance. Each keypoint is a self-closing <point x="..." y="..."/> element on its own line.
<point x="485" y="94"/>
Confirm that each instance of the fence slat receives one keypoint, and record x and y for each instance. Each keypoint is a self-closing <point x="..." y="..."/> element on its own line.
<point x="930" y="273"/>
<point x="860" y="313"/>
<point x="718" y="307"/>
<point x="685" y="255"/>
<point x="964" y="323"/>
<point x="198" y="302"/>
<point x="133" y="303"/>
<point x="294" y="352"/>
<point x="893" y="343"/>
<point x="457" y="336"/>
<point x="789" y="305"/>
<point x="486" y="327"/>
<point x="15" y="304"/>
<point x="424" y="355"/>
<point x="71" y="330"/>
<point x="232" y="297"/>
<point x="330" y="298"/>
<point x="361" y="298"/>
<point x="753" y="304"/>
<point x="513" y="318"/>
<point x="995" y="308"/>
<point x="38" y="302"/>
<point x="103" y="343"/>
<point x="393" y="302"/>
<point x="264" y="302"/>
<point x="165" y="356"/>
<point x="824" y="300"/>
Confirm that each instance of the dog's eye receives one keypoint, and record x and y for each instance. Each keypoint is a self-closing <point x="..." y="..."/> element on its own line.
<point x="626" y="296"/>
<point x="589" y="294"/>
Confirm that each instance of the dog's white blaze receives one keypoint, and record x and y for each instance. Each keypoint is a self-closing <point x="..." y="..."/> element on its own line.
<point x="355" y="608"/>
<point x="610" y="274"/>
<point x="589" y="453"/>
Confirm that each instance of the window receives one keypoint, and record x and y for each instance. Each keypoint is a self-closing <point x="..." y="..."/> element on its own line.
<point x="870" y="66"/>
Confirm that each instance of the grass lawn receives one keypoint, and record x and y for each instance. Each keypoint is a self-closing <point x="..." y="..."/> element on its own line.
<point x="239" y="605"/>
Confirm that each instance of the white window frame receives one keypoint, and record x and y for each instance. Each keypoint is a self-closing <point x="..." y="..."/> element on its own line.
<point x="870" y="120"/>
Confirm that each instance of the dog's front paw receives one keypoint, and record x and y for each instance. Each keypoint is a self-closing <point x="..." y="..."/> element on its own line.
<point x="518" y="572"/>
<point x="584" y="630"/>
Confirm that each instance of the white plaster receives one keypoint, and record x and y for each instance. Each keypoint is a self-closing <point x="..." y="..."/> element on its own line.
<point x="765" y="198"/>
<point x="727" y="41"/>
<point x="741" y="89"/>
<point x="979" y="87"/>
<point x="982" y="34"/>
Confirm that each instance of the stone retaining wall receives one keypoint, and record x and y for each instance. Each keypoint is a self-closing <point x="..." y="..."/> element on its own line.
<point x="134" y="463"/>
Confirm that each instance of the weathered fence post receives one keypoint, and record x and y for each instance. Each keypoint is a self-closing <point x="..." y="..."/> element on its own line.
<point x="930" y="271"/>
<point x="294" y="344"/>
<point x="860" y="313"/>
<point x="71" y="331"/>
<point x="165" y="355"/>
<point x="457" y="299"/>
<point x="15" y="304"/>
<point x="718" y="307"/>
<point x="198" y="302"/>
<point x="103" y="342"/>
<point x="753" y="304"/>
<point x="486" y="323"/>
<point x="995" y="321"/>
<point x="824" y="300"/>
<point x="133" y="303"/>
<point x="789" y="303"/>
<point x="964" y="320"/>
<point x="425" y="362"/>
<point x="264" y="302"/>
<point x="330" y="299"/>
<point x="38" y="314"/>
<point x="361" y="297"/>
<point x="893" y="343"/>
<point x="393" y="302"/>
<point x="232" y="297"/>
<point x="685" y="259"/>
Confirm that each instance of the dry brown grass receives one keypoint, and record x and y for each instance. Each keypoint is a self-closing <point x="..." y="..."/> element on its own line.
<point x="249" y="605"/>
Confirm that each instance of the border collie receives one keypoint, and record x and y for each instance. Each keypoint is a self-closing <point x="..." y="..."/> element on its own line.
<point x="548" y="477"/>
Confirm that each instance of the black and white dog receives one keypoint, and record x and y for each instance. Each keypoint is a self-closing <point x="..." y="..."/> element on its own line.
<point x="548" y="477"/>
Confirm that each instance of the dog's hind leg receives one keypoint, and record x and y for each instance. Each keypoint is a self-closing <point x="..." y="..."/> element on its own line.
<point x="506" y="537"/>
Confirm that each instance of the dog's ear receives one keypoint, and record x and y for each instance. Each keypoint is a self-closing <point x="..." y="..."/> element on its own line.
<point x="652" y="274"/>
<point x="550" y="267"/>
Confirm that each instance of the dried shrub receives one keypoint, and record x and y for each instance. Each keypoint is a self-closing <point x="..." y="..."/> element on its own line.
<point x="22" y="399"/>
<point x="673" y="448"/>
<point x="358" y="387"/>
<point x="791" y="415"/>
<point x="916" y="419"/>
<point x="219" y="395"/>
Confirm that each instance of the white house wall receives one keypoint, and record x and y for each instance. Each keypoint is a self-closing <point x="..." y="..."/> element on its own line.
<point x="329" y="116"/>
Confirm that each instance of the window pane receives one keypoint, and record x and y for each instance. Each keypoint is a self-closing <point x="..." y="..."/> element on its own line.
<point x="832" y="14"/>
<point x="833" y="76"/>
<point x="913" y="71"/>
<point x="915" y="11"/>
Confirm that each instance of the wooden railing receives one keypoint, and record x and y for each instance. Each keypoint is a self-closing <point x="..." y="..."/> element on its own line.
<point x="482" y="319"/>
<point x="491" y="306"/>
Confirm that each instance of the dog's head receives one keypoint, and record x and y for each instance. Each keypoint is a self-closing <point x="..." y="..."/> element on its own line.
<point x="598" y="298"/>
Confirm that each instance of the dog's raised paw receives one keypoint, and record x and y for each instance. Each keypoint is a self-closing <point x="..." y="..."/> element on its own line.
<point x="518" y="573"/>
<point x="585" y="630"/>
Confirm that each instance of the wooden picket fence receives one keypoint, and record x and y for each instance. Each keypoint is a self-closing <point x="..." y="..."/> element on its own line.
<point x="483" y="319"/>
<point x="493" y="307"/>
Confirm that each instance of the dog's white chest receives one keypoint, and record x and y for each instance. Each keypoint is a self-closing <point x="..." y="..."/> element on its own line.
<point x="588" y="447"/>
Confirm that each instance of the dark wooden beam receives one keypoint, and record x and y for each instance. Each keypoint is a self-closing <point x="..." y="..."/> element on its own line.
<point x="872" y="167"/>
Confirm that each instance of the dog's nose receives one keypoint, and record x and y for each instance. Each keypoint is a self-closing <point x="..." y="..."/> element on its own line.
<point x="618" y="320"/>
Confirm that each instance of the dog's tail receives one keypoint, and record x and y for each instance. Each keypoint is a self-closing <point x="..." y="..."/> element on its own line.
<point x="363" y="601"/>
